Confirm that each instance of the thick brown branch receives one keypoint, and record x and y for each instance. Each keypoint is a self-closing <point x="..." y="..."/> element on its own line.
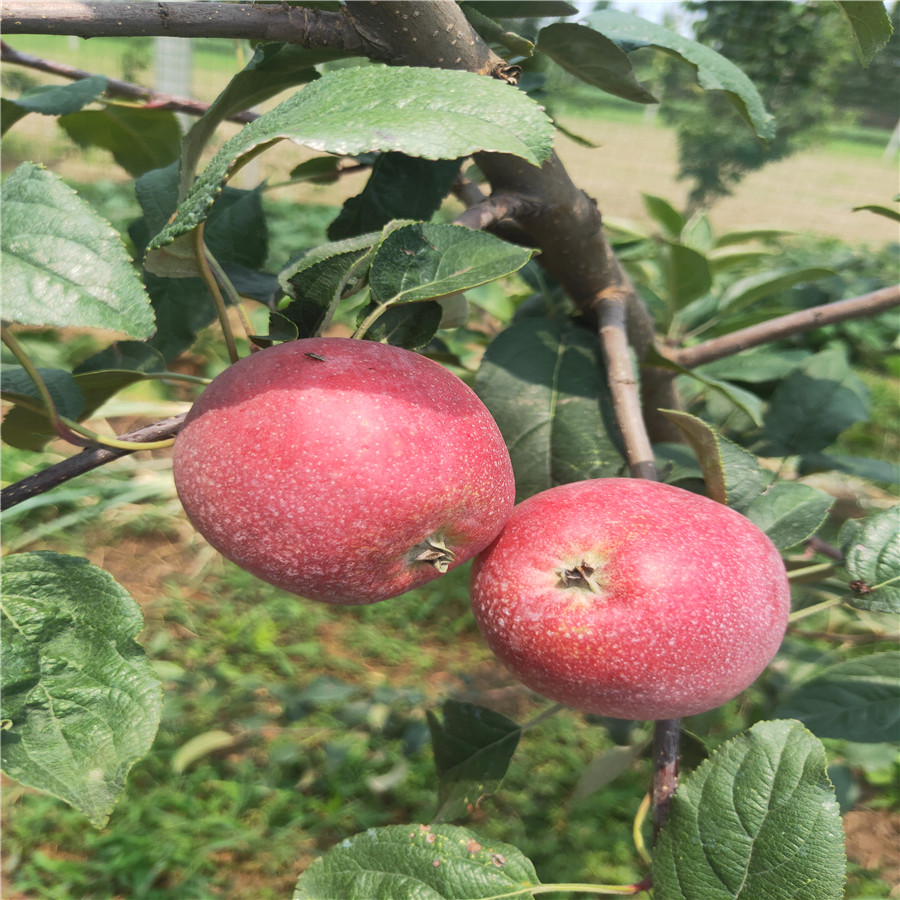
<point x="785" y="326"/>
<point x="117" y="88"/>
<point x="489" y="211"/>
<point x="83" y="462"/>
<point x="249" y="21"/>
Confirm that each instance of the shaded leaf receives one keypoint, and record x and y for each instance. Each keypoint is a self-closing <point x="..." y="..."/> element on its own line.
<point x="871" y="27"/>
<point x="410" y="325"/>
<point x="759" y="365"/>
<point x="688" y="275"/>
<point x="140" y="139"/>
<point x="82" y="702"/>
<point x="524" y="9"/>
<point x="62" y="265"/>
<point x="858" y="699"/>
<point x="545" y="385"/>
<point x="472" y="749"/>
<point x="758" y="820"/>
<point x="415" y="862"/>
<point x="400" y="187"/>
<point x="861" y="466"/>
<point x="714" y="72"/>
<point x="495" y="34"/>
<point x="429" y="113"/>
<point x="764" y="284"/>
<point x="732" y="475"/>
<point x="885" y="211"/>
<point x="789" y="512"/>
<point x="423" y="261"/>
<point x="594" y="59"/>
<point x="667" y="217"/>
<point x="55" y="99"/>
<point x="814" y="404"/>
<point x="871" y="549"/>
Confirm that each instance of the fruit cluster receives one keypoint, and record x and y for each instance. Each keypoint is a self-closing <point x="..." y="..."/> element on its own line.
<point x="349" y="472"/>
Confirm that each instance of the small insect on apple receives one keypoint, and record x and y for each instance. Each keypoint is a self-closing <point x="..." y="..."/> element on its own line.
<point x="628" y="598"/>
<point x="343" y="470"/>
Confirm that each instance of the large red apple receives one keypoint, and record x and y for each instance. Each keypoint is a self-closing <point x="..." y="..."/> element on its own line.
<point x="632" y="599"/>
<point x="343" y="470"/>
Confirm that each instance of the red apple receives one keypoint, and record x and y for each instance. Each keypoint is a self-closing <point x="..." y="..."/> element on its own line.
<point x="632" y="599"/>
<point x="343" y="470"/>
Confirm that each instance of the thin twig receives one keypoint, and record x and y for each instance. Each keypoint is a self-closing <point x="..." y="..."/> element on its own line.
<point x="115" y="88"/>
<point x="93" y="458"/>
<point x="623" y="385"/>
<point x="666" y="736"/>
<point x="488" y="211"/>
<point x="785" y="326"/>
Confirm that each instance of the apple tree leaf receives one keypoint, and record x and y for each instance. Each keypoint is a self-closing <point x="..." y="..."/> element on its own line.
<point x="524" y="9"/>
<point x="664" y="214"/>
<point x="871" y="548"/>
<point x="732" y="475"/>
<point x="858" y="699"/>
<point x="885" y="211"/>
<point x="472" y="749"/>
<point x="751" y="288"/>
<point x="814" y="404"/>
<point x="414" y="862"/>
<point x="593" y="58"/>
<point x="140" y="139"/>
<point x="545" y="385"/>
<point x="714" y="71"/>
<point x="871" y="27"/>
<point x="758" y="820"/>
<point x="428" y="113"/>
<point x="789" y="512"/>
<point x="81" y="703"/>
<point x="62" y="265"/>
<point x="55" y="99"/>
<point x="400" y="187"/>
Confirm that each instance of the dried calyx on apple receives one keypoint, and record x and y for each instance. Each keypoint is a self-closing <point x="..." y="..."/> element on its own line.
<point x="632" y="599"/>
<point x="343" y="470"/>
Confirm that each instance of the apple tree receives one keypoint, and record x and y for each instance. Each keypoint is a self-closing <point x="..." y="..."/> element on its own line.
<point x="662" y="356"/>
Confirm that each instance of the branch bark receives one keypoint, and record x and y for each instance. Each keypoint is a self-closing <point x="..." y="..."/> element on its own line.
<point x="116" y="88"/>
<point x="89" y="459"/>
<point x="238" y="21"/>
<point x="785" y="326"/>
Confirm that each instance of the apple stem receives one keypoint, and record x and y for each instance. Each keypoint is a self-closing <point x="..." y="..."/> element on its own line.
<point x="666" y="735"/>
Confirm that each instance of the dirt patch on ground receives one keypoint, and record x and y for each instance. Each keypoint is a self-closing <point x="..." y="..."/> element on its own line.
<point x="873" y="841"/>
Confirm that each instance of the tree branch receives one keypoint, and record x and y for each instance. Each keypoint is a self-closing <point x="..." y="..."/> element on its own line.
<point x="115" y="87"/>
<point x="785" y="326"/>
<point x="238" y="21"/>
<point x="83" y="462"/>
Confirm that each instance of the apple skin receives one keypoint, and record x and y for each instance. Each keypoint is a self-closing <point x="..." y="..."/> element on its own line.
<point x="326" y="466"/>
<point x="686" y="605"/>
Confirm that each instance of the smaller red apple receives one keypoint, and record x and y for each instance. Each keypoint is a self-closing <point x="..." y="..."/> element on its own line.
<point x="627" y="598"/>
<point x="345" y="471"/>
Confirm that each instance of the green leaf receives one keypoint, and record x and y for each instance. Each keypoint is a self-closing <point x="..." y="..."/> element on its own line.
<point x="871" y="550"/>
<point x="789" y="512"/>
<point x="417" y="862"/>
<point x="764" y="284"/>
<point x="200" y="746"/>
<point x="400" y="187"/>
<point x="62" y="265"/>
<point x="731" y="474"/>
<point x="594" y="59"/>
<point x="472" y="749"/>
<point x="495" y="34"/>
<point x="870" y="24"/>
<point x="885" y="211"/>
<point x="758" y="820"/>
<point x="814" y="404"/>
<point x="423" y="261"/>
<point x="858" y="699"/>
<point x="545" y="385"/>
<point x="321" y="278"/>
<point x="861" y="466"/>
<point x="274" y="67"/>
<point x="688" y="275"/>
<point x="714" y="72"/>
<point x="139" y="139"/>
<point x="321" y="169"/>
<point x="664" y="214"/>
<point x="759" y="365"/>
<point x="81" y="700"/>
<point x="410" y="325"/>
<point x="524" y="9"/>
<point x="57" y="99"/>
<point x="429" y="113"/>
